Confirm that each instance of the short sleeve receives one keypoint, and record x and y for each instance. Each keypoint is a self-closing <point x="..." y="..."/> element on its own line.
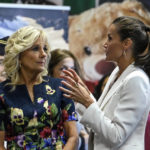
<point x="2" y="113"/>
<point x="68" y="109"/>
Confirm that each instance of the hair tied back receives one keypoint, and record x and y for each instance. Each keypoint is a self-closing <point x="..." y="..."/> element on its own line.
<point x="147" y="28"/>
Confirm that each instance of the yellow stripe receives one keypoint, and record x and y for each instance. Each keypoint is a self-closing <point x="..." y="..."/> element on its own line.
<point x="2" y="42"/>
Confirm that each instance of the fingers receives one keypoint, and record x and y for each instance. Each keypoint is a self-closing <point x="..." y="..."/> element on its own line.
<point x="68" y="79"/>
<point x="70" y="84"/>
<point x="77" y="78"/>
<point x="72" y="88"/>
<point x="74" y="74"/>
<point x="71" y="73"/>
<point x="68" y="93"/>
<point x="67" y="96"/>
<point x="68" y="73"/>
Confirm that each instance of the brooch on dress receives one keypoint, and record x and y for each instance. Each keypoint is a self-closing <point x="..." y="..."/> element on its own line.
<point x="49" y="90"/>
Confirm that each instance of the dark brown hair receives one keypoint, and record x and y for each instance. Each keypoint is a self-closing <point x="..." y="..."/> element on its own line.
<point x="138" y="32"/>
<point x="57" y="56"/>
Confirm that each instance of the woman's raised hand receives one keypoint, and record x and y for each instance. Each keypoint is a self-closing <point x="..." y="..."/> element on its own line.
<point x="77" y="90"/>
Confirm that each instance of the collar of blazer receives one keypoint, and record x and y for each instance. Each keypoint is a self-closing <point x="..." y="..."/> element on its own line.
<point x="111" y="86"/>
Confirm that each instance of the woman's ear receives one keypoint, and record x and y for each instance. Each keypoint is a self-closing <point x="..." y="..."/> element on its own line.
<point x="127" y="43"/>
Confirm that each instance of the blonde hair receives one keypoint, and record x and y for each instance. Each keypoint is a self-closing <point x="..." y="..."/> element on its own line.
<point x="20" y="41"/>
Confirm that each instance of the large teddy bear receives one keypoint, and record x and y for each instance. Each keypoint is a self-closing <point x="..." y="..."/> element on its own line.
<point x="87" y="34"/>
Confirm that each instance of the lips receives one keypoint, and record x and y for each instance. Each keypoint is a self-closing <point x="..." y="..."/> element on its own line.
<point x="42" y="62"/>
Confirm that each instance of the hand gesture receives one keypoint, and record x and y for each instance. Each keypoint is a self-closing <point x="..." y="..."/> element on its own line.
<point x="77" y="89"/>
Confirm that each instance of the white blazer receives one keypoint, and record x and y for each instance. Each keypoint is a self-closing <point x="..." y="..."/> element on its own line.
<point x="118" y="119"/>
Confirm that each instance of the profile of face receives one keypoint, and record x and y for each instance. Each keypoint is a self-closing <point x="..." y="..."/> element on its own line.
<point x="2" y="77"/>
<point x="66" y="63"/>
<point x="113" y="46"/>
<point x="34" y="59"/>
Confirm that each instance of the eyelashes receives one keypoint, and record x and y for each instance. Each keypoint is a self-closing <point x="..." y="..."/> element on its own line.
<point x="37" y="48"/>
<point x="66" y="68"/>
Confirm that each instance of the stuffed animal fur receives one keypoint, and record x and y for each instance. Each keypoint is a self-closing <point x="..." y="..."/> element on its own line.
<point x="87" y="34"/>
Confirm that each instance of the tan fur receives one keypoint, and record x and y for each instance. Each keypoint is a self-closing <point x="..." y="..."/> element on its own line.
<point x="90" y="29"/>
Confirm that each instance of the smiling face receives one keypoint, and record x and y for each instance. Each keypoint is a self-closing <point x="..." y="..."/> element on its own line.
<point x="113" y="46"/>
<point x="63" y="65"/>
<point x="34" y="59"/>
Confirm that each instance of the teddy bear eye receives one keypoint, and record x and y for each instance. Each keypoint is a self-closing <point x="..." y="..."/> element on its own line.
<point x="87" y="50"/>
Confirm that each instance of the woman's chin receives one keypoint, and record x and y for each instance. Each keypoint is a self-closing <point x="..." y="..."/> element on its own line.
<point x="40" y="70"/>
<point x="108" y="59"/>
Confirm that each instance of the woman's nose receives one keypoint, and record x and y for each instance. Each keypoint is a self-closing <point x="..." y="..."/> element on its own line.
<point x="43" y="53"/>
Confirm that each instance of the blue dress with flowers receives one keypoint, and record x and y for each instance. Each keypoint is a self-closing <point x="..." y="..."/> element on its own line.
<point x="37" y="125"/>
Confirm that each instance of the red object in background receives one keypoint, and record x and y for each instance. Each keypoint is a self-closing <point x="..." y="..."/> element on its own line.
<point x="147" y="134"/>
<point x="104" y="67"/>
<point x="91" y="85"/>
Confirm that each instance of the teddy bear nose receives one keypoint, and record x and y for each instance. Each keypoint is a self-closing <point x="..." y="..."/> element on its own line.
<point x="87" y="50"/>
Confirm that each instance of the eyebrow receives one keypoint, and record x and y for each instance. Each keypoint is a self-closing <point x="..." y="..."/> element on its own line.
<point x="35" y="45"/>
<point x="45" y="45"/>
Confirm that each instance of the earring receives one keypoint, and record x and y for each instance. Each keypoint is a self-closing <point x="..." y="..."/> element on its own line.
<point x="20" y="65"/>
<point x="124" y="53"/>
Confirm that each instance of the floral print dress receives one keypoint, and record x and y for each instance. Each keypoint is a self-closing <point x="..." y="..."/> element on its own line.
<point x="37" y="125"/>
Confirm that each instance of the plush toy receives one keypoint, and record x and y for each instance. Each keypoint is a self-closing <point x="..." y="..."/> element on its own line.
<point x="87" y="34"/>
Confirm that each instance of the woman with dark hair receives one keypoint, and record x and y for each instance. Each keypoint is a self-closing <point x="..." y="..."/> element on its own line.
<point x="56" y="65"/>
<point x="118" y="119"/>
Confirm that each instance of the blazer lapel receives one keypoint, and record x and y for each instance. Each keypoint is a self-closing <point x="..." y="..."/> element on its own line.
<point x="108" y="85"/>
<point x="110" y="90"/>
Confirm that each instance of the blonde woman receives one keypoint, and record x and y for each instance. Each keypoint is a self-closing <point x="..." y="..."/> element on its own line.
<point x="33" y="112"/>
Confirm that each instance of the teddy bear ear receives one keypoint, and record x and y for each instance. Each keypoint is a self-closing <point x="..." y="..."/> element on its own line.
<point x="70" y="19"/>
<point x="136" y="8"/>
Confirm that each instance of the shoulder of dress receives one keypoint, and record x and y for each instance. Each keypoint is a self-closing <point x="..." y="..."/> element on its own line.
<point x="137" y="75"/>
<point x="52" y="80"/>
<point x="2" y="85"/>
<point x="138" y="72"/>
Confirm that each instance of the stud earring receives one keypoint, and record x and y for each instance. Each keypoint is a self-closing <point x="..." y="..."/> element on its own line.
<point x="124" y="53"/>
<point x="20" y="65"/>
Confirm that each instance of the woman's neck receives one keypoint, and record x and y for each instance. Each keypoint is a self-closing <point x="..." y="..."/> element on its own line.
<point x="124" y="64"/>
<point x="29" y="78"/>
